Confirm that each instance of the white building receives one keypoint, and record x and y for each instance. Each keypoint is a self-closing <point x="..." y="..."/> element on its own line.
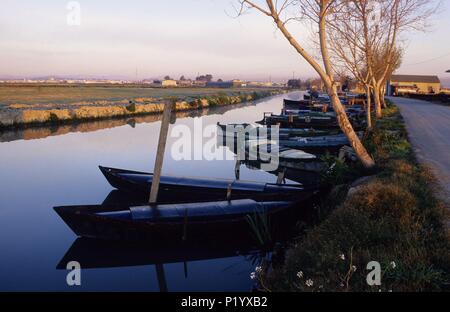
<point x="169" y="83"/>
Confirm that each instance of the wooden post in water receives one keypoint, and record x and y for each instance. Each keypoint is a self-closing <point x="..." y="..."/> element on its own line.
<point x="161" y="275"/>
<point x="160" y="152"/>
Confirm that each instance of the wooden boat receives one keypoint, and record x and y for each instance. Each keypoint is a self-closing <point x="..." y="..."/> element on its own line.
<point x="329" y="141"/>
<point x="169" y="222"/>
<point x="310" y="174"/>
<point x="184" y="189"/>
<point x="305" y="105"/>
<point x="266" y="149"/>
<point x="249" y="131"/>
<point x="294" y="104"/>
<point x="311" y="120"/>
<point x="254" y="131"/>
<point x="271" y="152"/>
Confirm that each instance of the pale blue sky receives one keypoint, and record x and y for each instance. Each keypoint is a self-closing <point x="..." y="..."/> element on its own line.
<point x="170" y="37"/>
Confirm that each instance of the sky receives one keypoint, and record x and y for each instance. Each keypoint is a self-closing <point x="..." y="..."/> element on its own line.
<point x="154" y="38"/>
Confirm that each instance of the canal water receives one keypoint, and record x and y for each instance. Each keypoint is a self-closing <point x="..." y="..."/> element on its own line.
<point x="48" y="167"/>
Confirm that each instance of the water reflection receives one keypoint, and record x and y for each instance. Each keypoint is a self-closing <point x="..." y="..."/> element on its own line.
<point x="34" y="133"/>
<point x="98" y="254"/>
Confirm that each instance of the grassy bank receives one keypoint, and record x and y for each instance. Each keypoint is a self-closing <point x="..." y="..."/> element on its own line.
<point x="21" y="115"/>
<point x="67" y="95"/>
<point x="393" y="217"/>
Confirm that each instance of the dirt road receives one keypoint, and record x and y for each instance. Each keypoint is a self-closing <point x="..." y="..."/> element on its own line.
<point x="428" y="126"/>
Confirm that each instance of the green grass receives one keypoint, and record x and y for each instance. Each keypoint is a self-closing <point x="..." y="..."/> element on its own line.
<point x="67" y="95"/>
<point x="395" y="219"/>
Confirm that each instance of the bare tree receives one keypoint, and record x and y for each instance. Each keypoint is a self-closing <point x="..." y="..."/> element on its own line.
<point x="380" y="67"/>
<point x="383" y="23"/>
<point x="348" y="51"/>
<point x="317" y="13"/>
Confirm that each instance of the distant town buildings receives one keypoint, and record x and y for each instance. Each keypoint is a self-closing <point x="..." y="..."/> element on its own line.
<point x="185" y="83"/>
<point x="167" y="82"/>
<point x="56" y="81"/>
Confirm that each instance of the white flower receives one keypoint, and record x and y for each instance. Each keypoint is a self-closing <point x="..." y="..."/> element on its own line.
<point x="342" y="285"/>
<point x="393" y="265"/>
<point x="309" y="283"/>
<point x="258" y="269"/>
<point x="253" y="275"/>
<point x="300" y="274"/>
<point x="353" y="268"/>
<point x="342" y="256"/>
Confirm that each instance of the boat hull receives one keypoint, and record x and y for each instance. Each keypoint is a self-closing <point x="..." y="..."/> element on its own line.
<point x="299" y="121"/>
<point x="91" y="222"/>
<point x="189" y="190"/>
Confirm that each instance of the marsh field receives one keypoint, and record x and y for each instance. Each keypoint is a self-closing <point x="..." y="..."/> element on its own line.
<point x="68" y="94"/>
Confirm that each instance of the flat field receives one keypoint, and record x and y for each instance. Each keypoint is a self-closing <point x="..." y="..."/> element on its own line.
<point x="72" y="94"/>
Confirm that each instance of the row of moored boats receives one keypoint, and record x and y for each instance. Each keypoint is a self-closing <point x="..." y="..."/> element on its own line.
<point x="201" y="208"/>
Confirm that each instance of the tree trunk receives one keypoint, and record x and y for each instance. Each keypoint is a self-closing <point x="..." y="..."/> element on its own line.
<point x="347" y="128"/>
<point x="368" y="108"/>
<point x="326" y="77"/>
<point x="376" y="95"/>
<point x="382" y="96"/>
<point x="341" y="115"/>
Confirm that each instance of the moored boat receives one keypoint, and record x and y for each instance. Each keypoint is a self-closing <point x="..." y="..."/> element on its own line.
<point x="270" y="149"/>
<point x="168" y="222"/>
<point x="253" y="131"/>
<point x="186" y="189"/>
<point x="329" y="141"/>
<point x="310" y="120"/>
<point x="306" y="105"/>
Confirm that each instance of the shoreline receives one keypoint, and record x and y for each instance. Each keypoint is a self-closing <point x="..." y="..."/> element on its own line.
<point x="17" y="117"/>
<point x="39" y="131"/>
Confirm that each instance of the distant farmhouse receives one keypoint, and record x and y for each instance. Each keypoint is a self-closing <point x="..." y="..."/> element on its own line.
<point x="404" y="84"/>
<point x="169" y="83"/>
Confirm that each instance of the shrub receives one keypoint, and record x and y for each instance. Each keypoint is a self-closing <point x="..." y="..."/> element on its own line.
<point x="53" y="118"/>
<point x="379" y="223"/>
<point x="212" y="101"/>
<point x="243" y="97"/>
<point x="195" y="103"/>
<point x="339" y="172"/>
<point x="131" y="108"/>
<point x="223" y="99"/>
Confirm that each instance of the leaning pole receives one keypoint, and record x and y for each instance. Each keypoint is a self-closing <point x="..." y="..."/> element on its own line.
<point x="160" y="152"/>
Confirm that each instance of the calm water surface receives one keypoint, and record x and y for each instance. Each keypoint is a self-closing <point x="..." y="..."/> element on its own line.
<point x="38" y="174"/>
